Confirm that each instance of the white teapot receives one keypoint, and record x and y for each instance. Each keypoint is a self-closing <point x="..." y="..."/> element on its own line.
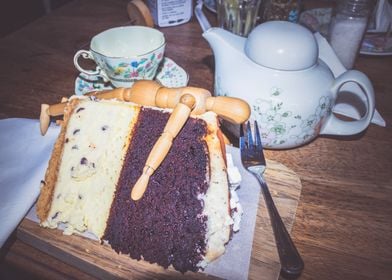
<point x="291" y="91"/>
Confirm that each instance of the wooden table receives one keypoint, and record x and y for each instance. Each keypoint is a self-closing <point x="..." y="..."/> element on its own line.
<point x="343" y="227"/>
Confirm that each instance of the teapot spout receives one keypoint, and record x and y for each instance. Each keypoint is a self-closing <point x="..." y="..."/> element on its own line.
<point x="223" y="42"/>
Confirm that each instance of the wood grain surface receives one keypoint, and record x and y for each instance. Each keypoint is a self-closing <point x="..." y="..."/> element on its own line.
<point x="104" y="263"/>
<point x="343" y="227"/>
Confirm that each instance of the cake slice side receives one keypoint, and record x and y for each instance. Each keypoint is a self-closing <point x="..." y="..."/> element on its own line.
<point x="48" y="184"/>
<point x="216" y="199"/>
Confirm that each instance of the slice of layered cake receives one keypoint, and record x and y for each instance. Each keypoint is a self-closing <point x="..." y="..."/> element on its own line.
<point x="184" y="217"/>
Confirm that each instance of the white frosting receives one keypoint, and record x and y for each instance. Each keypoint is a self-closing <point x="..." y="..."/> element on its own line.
<point x="233" y="172"/>
<point x="235" y="181"/>
<point x="236" y="206"/>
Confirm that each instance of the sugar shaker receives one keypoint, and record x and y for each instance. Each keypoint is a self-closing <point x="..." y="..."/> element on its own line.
<point x="348" y="26"/>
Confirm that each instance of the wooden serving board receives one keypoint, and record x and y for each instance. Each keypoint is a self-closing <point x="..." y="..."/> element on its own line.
<point x="103" y="262"/>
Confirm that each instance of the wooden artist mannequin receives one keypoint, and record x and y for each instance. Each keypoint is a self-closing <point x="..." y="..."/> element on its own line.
<point x="184" y="101"/>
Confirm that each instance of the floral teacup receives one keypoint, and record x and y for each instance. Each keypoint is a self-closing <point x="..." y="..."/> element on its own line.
<point x="125" y="54"/>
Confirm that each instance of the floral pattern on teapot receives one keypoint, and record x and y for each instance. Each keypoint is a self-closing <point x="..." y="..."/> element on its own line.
<point x="278" y="125"/>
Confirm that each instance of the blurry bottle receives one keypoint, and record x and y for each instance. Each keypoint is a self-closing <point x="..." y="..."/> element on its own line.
<point x="170" y="12"/>
<point x="348" y="26"/>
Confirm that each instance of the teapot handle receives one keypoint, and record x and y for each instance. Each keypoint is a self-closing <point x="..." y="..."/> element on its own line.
<point x="336" y="126"/>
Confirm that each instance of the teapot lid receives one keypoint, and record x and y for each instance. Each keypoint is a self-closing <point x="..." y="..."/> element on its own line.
<point x="282" y="45"/>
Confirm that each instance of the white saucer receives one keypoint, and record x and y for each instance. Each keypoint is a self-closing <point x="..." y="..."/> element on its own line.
<point x="169" y="74"/>
<point x="376" y="44"/>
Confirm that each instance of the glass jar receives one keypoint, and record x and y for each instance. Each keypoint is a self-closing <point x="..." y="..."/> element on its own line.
<point x="237" y="16"/>
<point x="348" y="26"/>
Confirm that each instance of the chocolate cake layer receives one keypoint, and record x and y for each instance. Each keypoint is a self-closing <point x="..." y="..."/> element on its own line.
<point x="166" y="226"/>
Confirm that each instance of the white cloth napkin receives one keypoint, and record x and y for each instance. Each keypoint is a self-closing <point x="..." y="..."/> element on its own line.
<point x="327" y="54"/>
<point x="24" y="156"/>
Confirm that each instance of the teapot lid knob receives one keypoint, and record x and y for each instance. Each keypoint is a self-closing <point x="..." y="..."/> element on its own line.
<point x="282" y="45"/>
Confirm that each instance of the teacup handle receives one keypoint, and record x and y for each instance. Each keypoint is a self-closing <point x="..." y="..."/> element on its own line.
<point x="87" y="55"/>
<point x="336" y="126"/>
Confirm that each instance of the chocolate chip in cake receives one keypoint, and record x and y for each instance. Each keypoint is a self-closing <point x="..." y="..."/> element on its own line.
<point x="43" y="182"/>
<point x="55" y="215"/>
<point x="105" y="127"/>
<point x="75" y="147"/>
<point x="66" y="140"/>
<point x="80" y="197"/>
<point x="58" y="196"/>
<point x="80" y="109"/>
<point x="83" y="169"/>
<point x="83" y="161"/>
<point x="76" y="131"/>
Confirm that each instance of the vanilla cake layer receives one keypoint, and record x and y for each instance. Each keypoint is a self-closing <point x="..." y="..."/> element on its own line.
<point x="219" y="218"/>
<point x="95" y="143"/>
